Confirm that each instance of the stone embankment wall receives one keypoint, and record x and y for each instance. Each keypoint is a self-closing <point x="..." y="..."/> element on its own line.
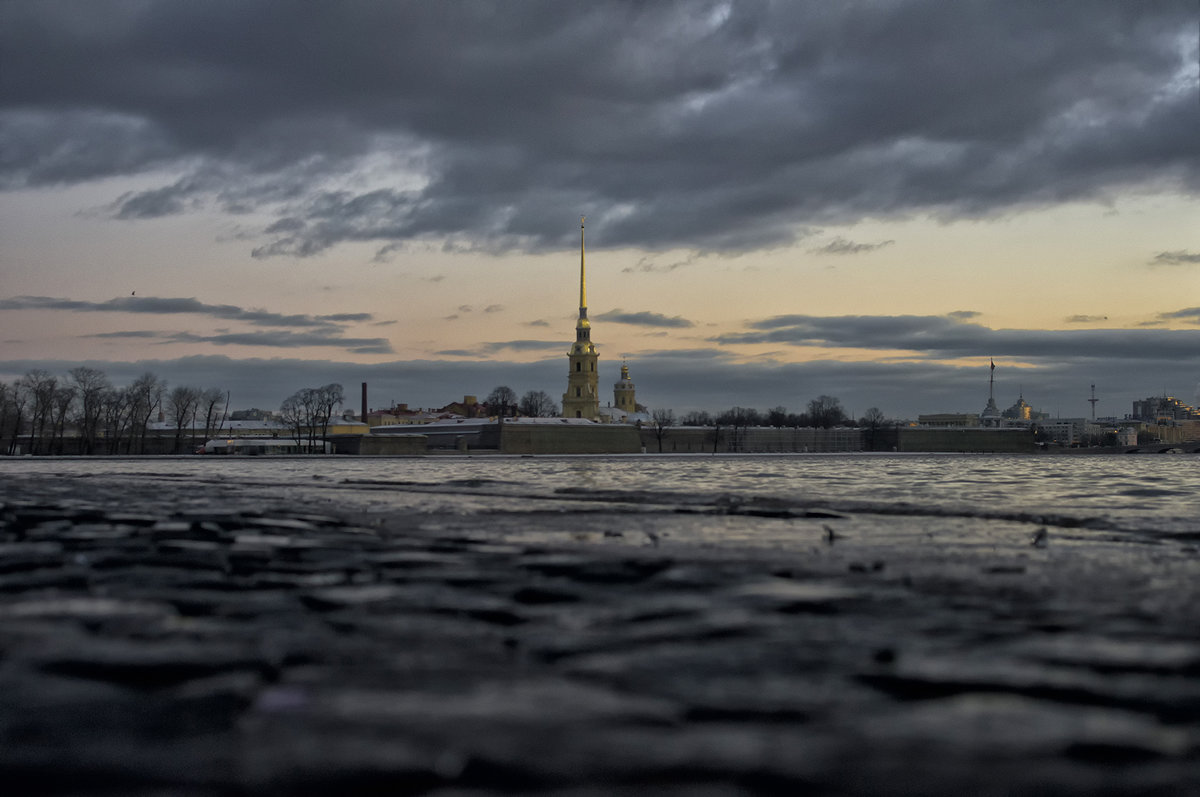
<point x="752" y="440"/>
<point x="380" y="445"/>
<point x="1002" y="441"/>
<point x="765" y="440"/>
<point x="569" y="439"/>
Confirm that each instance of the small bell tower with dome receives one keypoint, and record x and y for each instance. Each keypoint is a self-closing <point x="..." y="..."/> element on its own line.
<point x="623" y="392"/>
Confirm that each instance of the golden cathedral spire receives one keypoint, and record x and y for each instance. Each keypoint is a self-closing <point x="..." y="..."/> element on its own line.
<point x="582" y="399"/>
<point x="582" y="275"/>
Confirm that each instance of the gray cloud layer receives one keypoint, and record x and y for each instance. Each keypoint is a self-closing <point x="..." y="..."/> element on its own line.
<point x="274" y="339"/>
<point x="154" y="305"/>
<point x="320" y="330"/>
<point x="645" y="318"/>
<point x="701" y="125"/>
<point x="940" y="337"/>
<point x="1176" y="258"/>
<point x="840" y="246"/>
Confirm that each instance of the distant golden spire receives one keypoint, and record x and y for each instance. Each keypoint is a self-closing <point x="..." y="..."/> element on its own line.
<point x="582" y="281"/>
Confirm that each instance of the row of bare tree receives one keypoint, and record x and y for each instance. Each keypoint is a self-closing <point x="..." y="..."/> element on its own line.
<point x="823" y="411"/>
<point x="534" y="404"/>
<point x="37" y="410"/>
<point x="307" y="413"/>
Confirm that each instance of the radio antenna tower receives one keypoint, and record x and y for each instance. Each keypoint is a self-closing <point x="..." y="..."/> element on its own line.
<point x="1093" y="401"/>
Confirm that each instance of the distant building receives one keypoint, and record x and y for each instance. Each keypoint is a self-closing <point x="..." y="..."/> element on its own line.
<point x="1069" y="431"/>
<point x="582" y="399"/>
<point x="469" y="407"/>
<point x="1023" y="411"/>
<point x="949" y="419"/>
<point x="1127" y="436"/>
<point x="1156" y="409"/>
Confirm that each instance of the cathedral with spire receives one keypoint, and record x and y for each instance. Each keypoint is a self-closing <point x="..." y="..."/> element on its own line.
<point x="582" y="399"/>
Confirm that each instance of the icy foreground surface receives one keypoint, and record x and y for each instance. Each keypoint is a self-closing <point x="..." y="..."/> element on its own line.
<point x="856" y="625"/>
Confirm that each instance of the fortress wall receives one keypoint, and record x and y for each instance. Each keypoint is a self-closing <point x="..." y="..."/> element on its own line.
<point x="1015" y="441"/>
<point x="550" y="438"/>
<point x="569" y="439"/>
<point x="380" y="445"/>
<point x="765" y="440"/>
<point x="752" y="440"/>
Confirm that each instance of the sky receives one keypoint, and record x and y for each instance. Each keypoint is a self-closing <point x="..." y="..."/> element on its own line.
<point x="868" y="200"/>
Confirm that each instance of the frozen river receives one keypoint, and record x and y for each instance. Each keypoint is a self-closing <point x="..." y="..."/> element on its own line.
<point x="687" y="625"/>
<point x="1155" y="494"/>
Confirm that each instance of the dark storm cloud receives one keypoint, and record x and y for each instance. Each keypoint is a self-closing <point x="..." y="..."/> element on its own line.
<point x="645" y="318"/>
<point x="153" y="305"/>
<point x="145" y="334"/>
<point x="840" y="246"/>
<point x="521" y="345"/>
<point x="698" y="125"/>
<point x="1190" y="314"/>
<point x="652" y="265"/>
<point x="166" y="201"/>
<point x="496" y="347"/>
<point x="349" y="318"/>
<point x="938" y="337"/>
<point x="1177" y="258"/>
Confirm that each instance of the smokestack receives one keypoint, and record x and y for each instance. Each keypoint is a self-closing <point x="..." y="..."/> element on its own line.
<point x="363" y="417"/>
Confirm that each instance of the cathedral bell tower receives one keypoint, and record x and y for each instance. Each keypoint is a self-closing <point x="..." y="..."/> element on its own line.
<point x="623" y="392"/>
<point x="582" y="399"/>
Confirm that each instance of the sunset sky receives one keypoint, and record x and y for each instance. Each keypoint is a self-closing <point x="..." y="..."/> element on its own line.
<point x="784" y="199"/>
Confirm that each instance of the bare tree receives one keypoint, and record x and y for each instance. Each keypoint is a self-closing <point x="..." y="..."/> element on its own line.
<point x="308" y="411"/>
<point x="502" y="399"/>
<point x="39" y="386"/>
<point x="738" y="419"/>
<point x="777" y="416"/>
<point x="118" y="416"/>
<point x="91" y="385"/>
<point x="537" y="404"/>
<point x="64" y="398"/>
<point x="328" y="399"/>
<point x="310" y="400"/>
<point x="213" y="404"/>
<point x="873" y="418"/>
<point x="5" y="410"/>
<point x="872" y="421"/>
<point x="291" y="412"/>
<point x="13" y="402"/>
<point x="826" y="411"/>
<point x="182" y="402"/>
<point x="145" y="397"/>
<point x="662" y="420"/>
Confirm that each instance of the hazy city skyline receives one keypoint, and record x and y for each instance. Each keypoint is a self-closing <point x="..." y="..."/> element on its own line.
<point x="868" y="201"/>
